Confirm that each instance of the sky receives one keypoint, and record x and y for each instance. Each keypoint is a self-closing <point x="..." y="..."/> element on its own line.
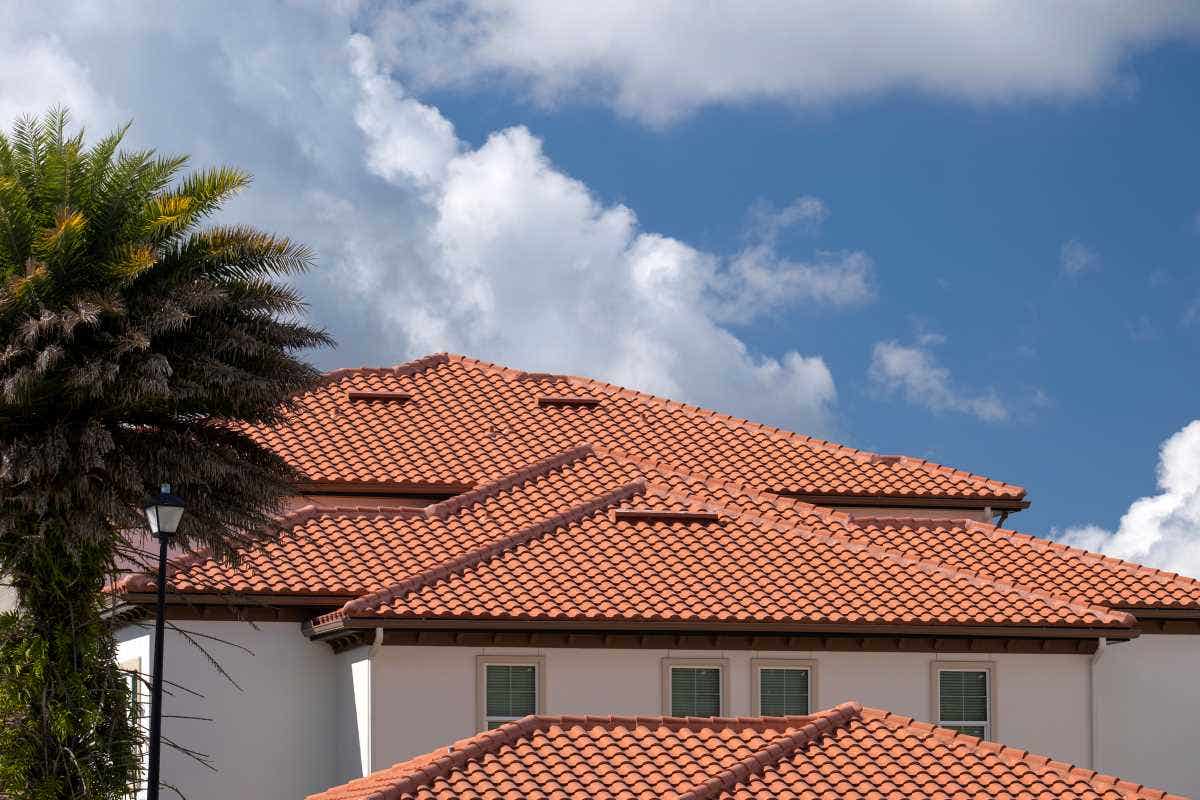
<point x="968" y="232"/>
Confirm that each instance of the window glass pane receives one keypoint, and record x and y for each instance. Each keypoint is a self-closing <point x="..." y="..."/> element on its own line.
<point x="963" y="695"/>
<point x="782" y="691"/>
<point x="695" y="691"/>
<point x="511" y="690"/>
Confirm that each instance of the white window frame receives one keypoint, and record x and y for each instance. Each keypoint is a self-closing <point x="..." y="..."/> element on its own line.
<point x="759" y="664"/>
<point x="134" y="667"/>
<point x="938" y="667"/>
<point x="671" y="664"/>
<point x="539" y="685"/>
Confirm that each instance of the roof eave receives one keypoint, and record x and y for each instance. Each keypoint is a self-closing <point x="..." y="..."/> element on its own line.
<point x="342" y="624"/>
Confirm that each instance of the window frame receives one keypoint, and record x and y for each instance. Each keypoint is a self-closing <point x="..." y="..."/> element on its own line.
<point x="989" y="667"/>
<point x="133" y="666"/>
<point x="758" y="664"/>
<point x="482" y="662"/>
<point x="669" y="664"/>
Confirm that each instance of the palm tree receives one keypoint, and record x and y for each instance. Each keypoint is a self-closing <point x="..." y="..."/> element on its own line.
<point x="135" y="337"/>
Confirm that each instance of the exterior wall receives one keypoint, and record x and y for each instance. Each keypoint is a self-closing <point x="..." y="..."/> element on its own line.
<point x="1148" y="707"/>
<point x="274" y="738"/>
<point x="425" y="696"/>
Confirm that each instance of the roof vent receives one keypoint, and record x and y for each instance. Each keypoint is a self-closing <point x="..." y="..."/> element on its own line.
<point x="378" y="397"/>
<point x="543" y="376"/>
<point x="879" y="459"/>
<point x="664" y="515"/>
<point x="567" y="401"/>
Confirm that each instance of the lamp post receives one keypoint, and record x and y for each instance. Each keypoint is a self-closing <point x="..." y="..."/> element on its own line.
<point x="163" y="513"/>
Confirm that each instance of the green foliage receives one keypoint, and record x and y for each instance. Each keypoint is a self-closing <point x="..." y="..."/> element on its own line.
<point x="136" y="339"/>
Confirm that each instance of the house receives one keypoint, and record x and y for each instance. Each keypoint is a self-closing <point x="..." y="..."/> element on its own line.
<point x="845" y="752"/>
<point x="474" y="544"/>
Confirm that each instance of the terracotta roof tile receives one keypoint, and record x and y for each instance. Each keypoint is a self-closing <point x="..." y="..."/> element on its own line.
<point x="845" y="752"/>
<point x="591" y="535"/>
<point x="666" y="559"/>
<point x="994" y="552"/>
<point x="746" y="569"/>
<point x="470" y="422"/>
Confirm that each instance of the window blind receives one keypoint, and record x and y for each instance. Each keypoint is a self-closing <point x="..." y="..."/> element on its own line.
<point x="695" y="691"/>
<point x="782" y="691"/>
<point x="963" y="700"/>
<point x="511" y="691"/>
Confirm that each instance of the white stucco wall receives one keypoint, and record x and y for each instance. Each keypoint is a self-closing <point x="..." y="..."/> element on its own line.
<point x="425" y="698"/>
<point x="273" y="741"/>
<point x="310" y="719"/>
<point x="1148" y="695"/>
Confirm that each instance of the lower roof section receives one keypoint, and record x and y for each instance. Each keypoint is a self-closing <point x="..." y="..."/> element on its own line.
<point x="845" y="752"/>
<point x="601" y="540"/>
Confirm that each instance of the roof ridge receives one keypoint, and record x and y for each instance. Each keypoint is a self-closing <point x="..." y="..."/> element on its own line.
<point x="413" y="367"/>
<point x="757" y="762"/>
<point x="925" y="564"/>
<point x="1014" y="755"/>
<point x="427" y="770"/>
<point x="482" y="554"/>
<point x="736" y="487"/>
<point x="481" y="744"/>
<point x="775" y="433"/>
<point x="453" y="505"/>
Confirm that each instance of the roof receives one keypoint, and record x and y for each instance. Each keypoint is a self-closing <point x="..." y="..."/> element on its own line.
<point x="994" y="552"/>
<point x="595" y="537"/>
<point x="452" y="420"/>
<point x="845" y="752"/>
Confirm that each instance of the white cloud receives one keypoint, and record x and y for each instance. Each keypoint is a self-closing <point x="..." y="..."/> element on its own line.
<point x="406" y="138"/>
<point x="1076" y="258"/>
<point x="425" y="241"/>
<point x="1162" y="530"/>
<point x="915" y="372"/>
<point x="660" y="61"/>
<point x="37" y="72"/>
<point x="519" y="262"/>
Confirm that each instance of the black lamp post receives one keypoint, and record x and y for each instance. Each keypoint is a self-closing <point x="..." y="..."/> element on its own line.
<point x="163" y="513"/>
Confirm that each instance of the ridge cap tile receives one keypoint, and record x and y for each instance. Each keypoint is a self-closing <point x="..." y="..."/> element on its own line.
<point x="824" y="754"/>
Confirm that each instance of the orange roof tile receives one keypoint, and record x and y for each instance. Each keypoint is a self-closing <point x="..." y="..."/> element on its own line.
<point x="845" y="752"/>
<point x="546" y="544"/>
<point x="994" y="552"/>
<point x="468" y="422"/>
<point x="748" y="567"/>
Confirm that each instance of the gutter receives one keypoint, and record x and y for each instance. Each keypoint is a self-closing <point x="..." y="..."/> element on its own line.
<point x="316" y="631"/>
<point x="1093" y="703"/>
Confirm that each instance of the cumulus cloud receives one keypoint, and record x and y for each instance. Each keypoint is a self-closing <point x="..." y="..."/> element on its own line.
<point x="1162" y="530"/>
<point x="426" y="241"/>
<point x="1075" y="258"/>
<point x="37" y="67"/>
<point x="914" y="372"/>
<point x="659" y="63"/>
<point x="522" y="263"/>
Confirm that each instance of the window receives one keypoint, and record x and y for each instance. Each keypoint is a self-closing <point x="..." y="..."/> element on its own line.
<point x="694" y="688"/>
<point x="138" y="695"/>
<point x="964" y="698"/>
<point x="781" y="688"/>
<point x="509" y="688"/>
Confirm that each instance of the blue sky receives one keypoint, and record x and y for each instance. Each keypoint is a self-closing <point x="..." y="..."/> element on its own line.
<point x="965" y="210"/>
<point x="970" y="234"/>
